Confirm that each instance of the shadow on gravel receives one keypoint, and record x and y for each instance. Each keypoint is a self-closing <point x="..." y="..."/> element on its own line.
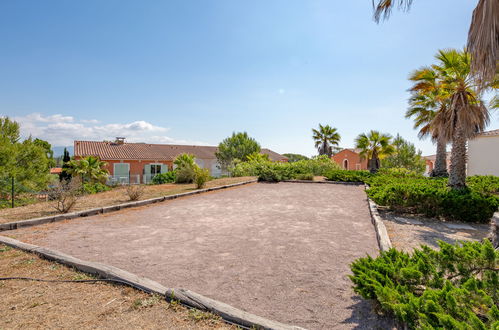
<point x="364" y="317"/>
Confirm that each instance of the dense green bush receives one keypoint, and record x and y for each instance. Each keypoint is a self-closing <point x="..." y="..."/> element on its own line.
<point x="432" y="197"/>
<point x="348" y="176"/>
<point x="308" y="176"/>
<point x="95" y="187"/>
<point x="456" y="287"/>
<point x="487" y="184"/>
<point x="185" y="174"/>
<point x="277" y="171"/>
<point x="167" y="177"/>
<point x="202" y="176"/>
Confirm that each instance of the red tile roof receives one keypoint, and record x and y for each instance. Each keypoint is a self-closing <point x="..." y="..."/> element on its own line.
<point x="490" y="133"/>
<point x="106" y="150"/>
<point x="56" y="170"/>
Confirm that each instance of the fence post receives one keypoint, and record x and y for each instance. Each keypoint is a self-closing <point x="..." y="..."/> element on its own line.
<point x="12" y="192"/>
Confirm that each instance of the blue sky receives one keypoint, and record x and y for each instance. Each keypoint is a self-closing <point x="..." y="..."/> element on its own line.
<point x="195" y="71"/>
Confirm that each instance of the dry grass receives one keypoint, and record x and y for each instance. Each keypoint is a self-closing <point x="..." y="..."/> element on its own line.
<point x="80" y="305"/>
<point x="112" y="197"/>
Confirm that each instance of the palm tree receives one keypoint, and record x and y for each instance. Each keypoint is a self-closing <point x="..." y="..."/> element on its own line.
<point x="326" y="139"/>
<point x="427" y="99"/>
<point x="466" y="114"/>
<point x="483" y="35"/>
<point x="374" y="146"/>
<point x="89" y="169"/>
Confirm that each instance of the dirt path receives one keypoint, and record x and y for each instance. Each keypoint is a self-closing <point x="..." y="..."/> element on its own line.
<point x="281" y="251"/>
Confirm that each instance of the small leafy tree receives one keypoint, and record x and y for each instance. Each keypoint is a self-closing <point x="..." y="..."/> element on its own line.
<point x="405" y="155"/>
<point x="294" y="157"/>
<point x="258" y="157"/>
<point x="65" y="174"/>
<point x="25" y="162"/>
<point x="185" y="159"/>
<point x="238" y="146"/>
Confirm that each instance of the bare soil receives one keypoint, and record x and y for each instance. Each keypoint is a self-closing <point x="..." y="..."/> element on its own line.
<point x="39" y="305"/>
<point x="407" y="231"/>
<point x="281" y="251"/>
<point x="107" y="198"/>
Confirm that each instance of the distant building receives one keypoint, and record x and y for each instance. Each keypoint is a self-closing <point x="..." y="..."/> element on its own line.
<point x="349" y="159"/>
<point x="430" y="163"/>
<point x="483" y="154"/>
<point x="140" y="162"/>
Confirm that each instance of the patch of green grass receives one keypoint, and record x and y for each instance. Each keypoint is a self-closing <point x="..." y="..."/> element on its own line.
<point x="197" y="315"/>
<point x="5" y="248"/>
<point x="147" y="302"/>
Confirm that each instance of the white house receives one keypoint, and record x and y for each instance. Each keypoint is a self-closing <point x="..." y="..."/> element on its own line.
<point x="483" y="154"/>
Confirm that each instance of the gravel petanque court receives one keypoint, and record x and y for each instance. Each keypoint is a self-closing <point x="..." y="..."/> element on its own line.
<point x="281" y="251"/>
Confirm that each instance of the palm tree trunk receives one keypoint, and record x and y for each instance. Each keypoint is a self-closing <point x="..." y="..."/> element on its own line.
<point x="440" y="169"/>
<point x="457" y="178"/>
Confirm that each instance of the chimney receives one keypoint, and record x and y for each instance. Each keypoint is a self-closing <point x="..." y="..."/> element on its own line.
<point x="120" y="140"/>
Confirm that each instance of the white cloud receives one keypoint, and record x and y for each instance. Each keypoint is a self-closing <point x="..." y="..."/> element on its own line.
<point x="62" y="130"/>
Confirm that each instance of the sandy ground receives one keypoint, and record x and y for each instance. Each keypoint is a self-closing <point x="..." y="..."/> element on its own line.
<point x="407" y="232"/>
<point x="112" y="197"/>
<point x="38" y="305"/>
<point x="281" y="251"/>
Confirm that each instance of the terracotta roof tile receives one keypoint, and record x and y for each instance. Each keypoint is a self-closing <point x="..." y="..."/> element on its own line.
<point x="145" y="151"/>
<point x="490" y="133"/>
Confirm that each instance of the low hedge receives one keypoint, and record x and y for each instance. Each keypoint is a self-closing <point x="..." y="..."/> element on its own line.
<point x="167" y="177"/>
<point x="348" y="176"/>
<point x="456" y="287"/>
<point x="432" y="198"/>
<point x="277" y="171"/>
<point x="95" y="187"/>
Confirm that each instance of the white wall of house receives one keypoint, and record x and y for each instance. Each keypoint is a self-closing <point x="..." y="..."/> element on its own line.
<point x="483" y="156"/>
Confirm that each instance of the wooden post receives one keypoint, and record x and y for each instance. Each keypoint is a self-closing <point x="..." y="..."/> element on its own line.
<point x="12" y="193"/>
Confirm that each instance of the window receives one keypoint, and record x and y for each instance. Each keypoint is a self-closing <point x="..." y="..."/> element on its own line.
<point x="155" y="169"/>
<point x="121" y="170"/>
<point x="345" y="164"/>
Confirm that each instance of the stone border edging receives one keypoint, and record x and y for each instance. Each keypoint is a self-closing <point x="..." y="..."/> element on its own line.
<point x="106" y="209"/>
<point x="186" y="297"/>
<point x="384" y="242"/>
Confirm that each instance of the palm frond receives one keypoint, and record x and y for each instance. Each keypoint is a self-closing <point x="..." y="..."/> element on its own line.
<point x="383" y="8"/>
<point x="483" y="40"/>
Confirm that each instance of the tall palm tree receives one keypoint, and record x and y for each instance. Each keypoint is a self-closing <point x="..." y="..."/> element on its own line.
<point x="326" y="139"/>
<point x="89" y="169"/>
<point x="466" y="114"/>
<point x="427" y="99"/>
<point x="483" y="35"/>
<point x="374" y="146"/>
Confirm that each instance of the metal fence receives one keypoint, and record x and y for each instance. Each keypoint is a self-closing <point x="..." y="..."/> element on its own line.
<point x="129" y="179"/>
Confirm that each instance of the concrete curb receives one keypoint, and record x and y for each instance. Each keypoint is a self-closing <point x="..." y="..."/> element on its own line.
<point x="384" y="242"/>
<point x="106" y="209"/>
<point x="325" y="182"/>
<point x="186" y="297"/>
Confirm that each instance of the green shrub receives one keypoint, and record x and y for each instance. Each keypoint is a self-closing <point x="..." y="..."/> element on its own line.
<point x="272" y="171"/>
<point x="167" y="177"/>
<point x="432" y="197"/>
<point x="348" y="176"/>
<point x="399" y="172"/>
<point x="185" y="174"/>
<point x="318" y="166"/>
<point x="308" y="176"/>
<point x="95" y="187"/>
<point x="456" y="287"/>
<point x="202" y="176"/>
<point x="487" y="184"/>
